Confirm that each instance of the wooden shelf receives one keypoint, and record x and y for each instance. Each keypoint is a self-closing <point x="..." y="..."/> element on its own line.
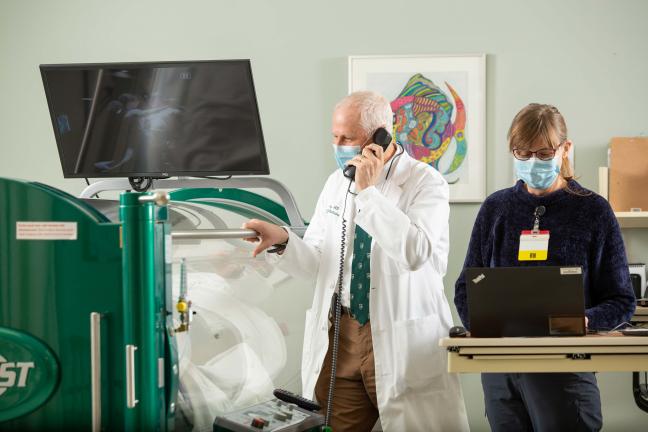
<point x="632" y="219"/>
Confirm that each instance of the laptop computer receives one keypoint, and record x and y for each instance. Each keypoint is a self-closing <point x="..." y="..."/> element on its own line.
<point x="526" y="301"/>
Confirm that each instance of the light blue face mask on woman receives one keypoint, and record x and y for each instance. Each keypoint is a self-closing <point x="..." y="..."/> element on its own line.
<point x="537" y="173"/>
<point x="344" y="154"/>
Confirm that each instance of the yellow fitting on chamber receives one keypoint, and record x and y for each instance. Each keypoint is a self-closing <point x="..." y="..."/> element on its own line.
<point x="182" y="306"/>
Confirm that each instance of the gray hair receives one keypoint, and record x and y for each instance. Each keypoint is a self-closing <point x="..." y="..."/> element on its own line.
<point x="375" y="110"/>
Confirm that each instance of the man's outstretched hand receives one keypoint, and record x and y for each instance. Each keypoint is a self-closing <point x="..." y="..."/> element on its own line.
<point x="268" y="235"/>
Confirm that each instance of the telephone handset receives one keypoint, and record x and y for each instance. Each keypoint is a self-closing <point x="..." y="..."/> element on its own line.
<point x="380" y="137"/>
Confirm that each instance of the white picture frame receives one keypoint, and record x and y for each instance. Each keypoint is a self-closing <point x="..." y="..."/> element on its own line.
<point x="425" y="92"/>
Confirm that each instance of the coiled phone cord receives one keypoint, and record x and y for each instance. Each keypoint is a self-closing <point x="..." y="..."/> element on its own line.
<point x="336" y="317"/>
<point x="338" y="300"/>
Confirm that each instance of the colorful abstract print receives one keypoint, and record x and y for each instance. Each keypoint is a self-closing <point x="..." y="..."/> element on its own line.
<point x="423" y="114"/>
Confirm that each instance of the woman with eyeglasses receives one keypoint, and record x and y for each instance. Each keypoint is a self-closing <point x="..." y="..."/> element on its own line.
<point x="583" y="231"/>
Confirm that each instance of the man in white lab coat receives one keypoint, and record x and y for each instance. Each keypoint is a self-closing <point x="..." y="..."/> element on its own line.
<point x="395" y="219"/>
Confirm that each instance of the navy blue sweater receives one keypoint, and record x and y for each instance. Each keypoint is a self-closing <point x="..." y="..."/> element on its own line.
<point x="583" y="232"/>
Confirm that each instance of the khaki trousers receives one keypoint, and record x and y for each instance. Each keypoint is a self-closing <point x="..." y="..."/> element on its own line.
<point x="354" y="402"/>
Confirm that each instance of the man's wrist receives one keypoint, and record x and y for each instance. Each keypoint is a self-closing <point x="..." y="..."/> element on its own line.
<point x="279" y="248"/>
<point x="285" y="242"/>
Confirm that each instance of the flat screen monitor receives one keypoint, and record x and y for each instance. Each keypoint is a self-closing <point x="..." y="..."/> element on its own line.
<point x="156" y="119"/>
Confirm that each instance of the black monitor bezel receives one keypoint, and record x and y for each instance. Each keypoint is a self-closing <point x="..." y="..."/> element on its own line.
<point x="73" y="66"/>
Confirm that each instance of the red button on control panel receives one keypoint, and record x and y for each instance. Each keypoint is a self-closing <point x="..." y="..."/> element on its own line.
<point x="258" y="423"/>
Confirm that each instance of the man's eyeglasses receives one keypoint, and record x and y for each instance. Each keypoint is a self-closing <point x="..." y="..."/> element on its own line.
<point x="544" y="154"/>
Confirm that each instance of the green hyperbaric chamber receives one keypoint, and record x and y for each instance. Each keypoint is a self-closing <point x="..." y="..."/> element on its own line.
<point x="140" y="315"/>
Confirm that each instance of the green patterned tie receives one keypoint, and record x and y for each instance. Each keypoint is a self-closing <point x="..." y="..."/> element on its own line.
<point x="360" y="276"/>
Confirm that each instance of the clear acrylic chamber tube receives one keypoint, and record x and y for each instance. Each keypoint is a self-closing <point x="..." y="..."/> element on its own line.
<point x="247" y="324"/>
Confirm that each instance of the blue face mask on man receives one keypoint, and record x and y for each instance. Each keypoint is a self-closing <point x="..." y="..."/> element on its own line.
<point x="344" y="154"/>
<point x="538" y="173"/>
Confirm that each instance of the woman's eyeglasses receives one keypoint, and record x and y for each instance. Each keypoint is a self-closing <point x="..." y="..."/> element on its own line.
<point x="544" y="154"/>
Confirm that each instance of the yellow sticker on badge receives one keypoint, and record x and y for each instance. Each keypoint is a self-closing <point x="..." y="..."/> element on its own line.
<point x="534" y="246"/>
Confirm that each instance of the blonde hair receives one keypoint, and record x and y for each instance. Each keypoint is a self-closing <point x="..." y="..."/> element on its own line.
<point x="374" y="109"/>
<point x="540" y="122"/>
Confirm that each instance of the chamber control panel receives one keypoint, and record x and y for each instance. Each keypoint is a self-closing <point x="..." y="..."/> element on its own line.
<point x="272" y="416"/>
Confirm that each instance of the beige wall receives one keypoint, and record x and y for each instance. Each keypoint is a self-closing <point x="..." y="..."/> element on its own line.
<point x="589" y="58"/>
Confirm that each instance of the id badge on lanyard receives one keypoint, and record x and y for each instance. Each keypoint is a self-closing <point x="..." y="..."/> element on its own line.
<point x="534" y="244"/>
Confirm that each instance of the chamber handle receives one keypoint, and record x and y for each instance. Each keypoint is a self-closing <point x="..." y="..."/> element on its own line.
<point x="95" y="369"/>
<point x="206" y="234"/>
<point x="131" y="401"/>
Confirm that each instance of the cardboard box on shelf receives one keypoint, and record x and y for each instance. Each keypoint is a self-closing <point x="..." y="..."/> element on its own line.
<point x="628" y="178"/>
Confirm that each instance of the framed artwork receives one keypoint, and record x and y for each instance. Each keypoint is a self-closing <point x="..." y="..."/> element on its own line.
<point x="439" y="104"/>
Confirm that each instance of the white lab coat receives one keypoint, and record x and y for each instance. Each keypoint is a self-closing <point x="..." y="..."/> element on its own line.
<point x="407" y="217"/>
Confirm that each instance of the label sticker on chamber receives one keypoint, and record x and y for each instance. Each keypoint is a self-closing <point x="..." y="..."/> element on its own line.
<point x="46" y="230"/>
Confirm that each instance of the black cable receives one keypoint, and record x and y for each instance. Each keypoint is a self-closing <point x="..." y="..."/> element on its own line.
<point x="336" y="315"/>
<point x="140" y="184"/>
<point x="217" y="178"/>
<point x="391" y="164"/>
